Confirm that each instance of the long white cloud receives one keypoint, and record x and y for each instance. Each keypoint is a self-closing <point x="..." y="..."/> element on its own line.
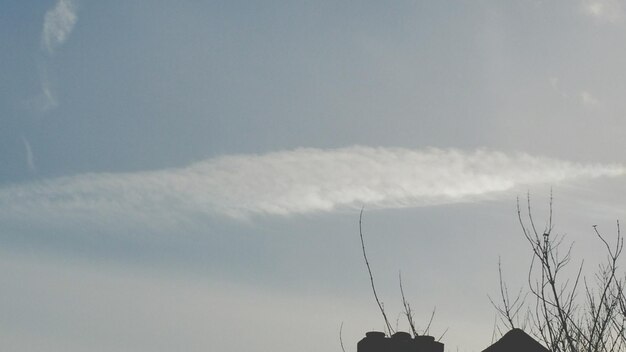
<point x="292" y="182"/>
<point x="58" y="24"/>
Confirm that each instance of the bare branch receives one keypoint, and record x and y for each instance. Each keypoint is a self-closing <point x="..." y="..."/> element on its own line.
<point x="341" y="337"/>
<point x="369" y="270"/>
<point x="407" y="308"/>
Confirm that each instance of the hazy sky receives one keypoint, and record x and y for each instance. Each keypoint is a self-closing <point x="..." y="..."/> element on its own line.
<point x="187" y="175"/>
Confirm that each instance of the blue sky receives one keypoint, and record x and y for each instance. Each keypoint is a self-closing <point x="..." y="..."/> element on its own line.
<point x="188" y="175"/>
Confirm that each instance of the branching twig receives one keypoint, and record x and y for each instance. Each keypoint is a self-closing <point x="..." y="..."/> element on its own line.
<point x="565" y="322"/>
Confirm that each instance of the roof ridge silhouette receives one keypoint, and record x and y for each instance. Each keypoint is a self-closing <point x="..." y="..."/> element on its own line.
<point x="516" y="340"/>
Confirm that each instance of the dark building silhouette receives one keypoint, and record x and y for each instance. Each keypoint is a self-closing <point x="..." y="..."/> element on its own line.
<point x="516" y="340"/>
<point x="375" y="341"/>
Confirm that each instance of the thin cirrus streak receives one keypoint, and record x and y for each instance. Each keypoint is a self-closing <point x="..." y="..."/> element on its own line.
<point x="30" y="157"/>
<point x="299" y="181"/>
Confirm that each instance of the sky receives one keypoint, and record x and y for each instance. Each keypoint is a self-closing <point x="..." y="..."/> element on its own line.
<point x="188" y="175"/>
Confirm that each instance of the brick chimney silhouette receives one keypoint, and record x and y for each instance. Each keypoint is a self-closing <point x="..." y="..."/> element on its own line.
<point x="375" y="341"/>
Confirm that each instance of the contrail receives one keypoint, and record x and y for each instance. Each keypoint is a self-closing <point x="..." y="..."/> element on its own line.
<point x="298" y="181"/>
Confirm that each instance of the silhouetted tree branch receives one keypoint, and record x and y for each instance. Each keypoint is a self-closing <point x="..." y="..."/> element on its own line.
<point x="568" y="316"/>
<point x="509" y="309"/>
<point x="341" y="337"/>
<point x="369" y="270"/>
<point x="407" y="307"/>
<point x="408" y="310"/>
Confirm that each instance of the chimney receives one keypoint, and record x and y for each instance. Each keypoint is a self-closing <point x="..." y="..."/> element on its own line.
<point x="375" y="341"/>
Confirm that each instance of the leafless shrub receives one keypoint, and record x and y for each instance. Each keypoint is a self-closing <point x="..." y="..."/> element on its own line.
<point x="569" y="314"/>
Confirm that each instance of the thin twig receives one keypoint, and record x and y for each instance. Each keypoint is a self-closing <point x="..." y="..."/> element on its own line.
<point x="369" y="270"/>
<point x="340" y="337"/>
<point x="442" y="335"/>
<point x="430" y="321"/>
<point x="407" y="307"/>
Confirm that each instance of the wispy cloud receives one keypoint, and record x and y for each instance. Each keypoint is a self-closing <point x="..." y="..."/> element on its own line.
<point x="292" y="182"/>
<point x="588" y="100"/>
<point x="58" y="24"/>
<point x="556" y="86"/>
<point x="47" y="99"/>
<point x="610" y="11"/>
<point x="584" y="98"/>
<point x="30" y="157"/>
<point x="43" y="102"/>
